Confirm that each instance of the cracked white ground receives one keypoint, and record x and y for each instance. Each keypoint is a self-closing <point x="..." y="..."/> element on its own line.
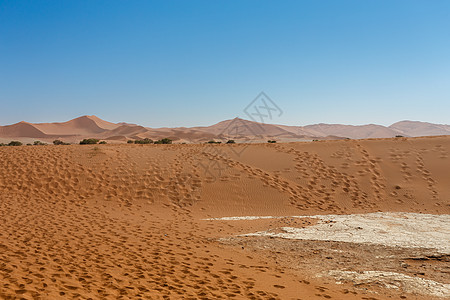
<point x="404" y="230"/>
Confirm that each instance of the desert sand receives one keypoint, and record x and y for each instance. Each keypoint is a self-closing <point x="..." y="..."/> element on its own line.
<point x="242" y="221"/>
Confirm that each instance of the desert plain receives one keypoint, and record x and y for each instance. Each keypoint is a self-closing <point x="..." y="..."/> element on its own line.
<point x="332" y="219"/>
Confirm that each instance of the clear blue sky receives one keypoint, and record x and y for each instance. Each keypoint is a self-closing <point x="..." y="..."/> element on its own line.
<point x="175" y="63"/>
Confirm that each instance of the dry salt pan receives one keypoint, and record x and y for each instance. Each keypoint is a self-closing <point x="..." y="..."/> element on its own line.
<point x="392" y="280"/>
<point x="406" y="230"/>
<point x="409" y="230"/>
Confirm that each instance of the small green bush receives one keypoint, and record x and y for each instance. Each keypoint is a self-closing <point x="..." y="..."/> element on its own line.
<point x="39" y="143"/>
<point x="164" y="141"/>
<point x="59" y="142"/>
<point x="144" y="141"/>
<point x="231" y="142"/>
<point x="89" y="142"/>
<point x="130" y="142"/>
<point x="15" y="143"/>
<point x="103" y="143"/>
<point x="271" y="142"/>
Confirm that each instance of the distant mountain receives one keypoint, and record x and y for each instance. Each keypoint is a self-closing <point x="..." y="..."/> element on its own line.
<point x="352" y="131"/>
<point x="415" y="128"/>
<point x="237" y="129"/>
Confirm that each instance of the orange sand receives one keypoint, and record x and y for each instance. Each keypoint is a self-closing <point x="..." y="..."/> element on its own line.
<point x="125" y="221"/>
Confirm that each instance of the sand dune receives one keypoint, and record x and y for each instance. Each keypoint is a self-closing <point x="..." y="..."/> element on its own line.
<point x="129" y="221"/>
<point x="237" y="129"/>
<point x="104" y="124"/>
<point x="247" y="129"/>
<point x="22" y="129"/>
<point x="80" y="126"/>
<point x="125" y="132"/>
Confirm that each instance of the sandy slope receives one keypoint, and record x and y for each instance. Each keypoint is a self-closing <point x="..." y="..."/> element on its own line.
<point x="86" y="125"/>
<point x="126" y="221"/>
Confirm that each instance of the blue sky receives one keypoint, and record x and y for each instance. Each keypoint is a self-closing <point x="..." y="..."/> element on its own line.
<point x="187" y="63"/>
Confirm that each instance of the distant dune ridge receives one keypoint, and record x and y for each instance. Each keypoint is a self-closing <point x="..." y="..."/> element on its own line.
<point x="237" y="129"/>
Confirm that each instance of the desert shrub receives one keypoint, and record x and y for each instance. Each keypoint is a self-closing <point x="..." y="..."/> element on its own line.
<point x="2" y="145"/>
<point x="130" y="142"/>
<point x="89" y="142"/>
<point x="271" y="142"/>
<point x="39" y="143"/>
<point x="231" y="142"/>
<point x="144" y="141"/>
<point x="59" y="142"/>
<point x="164" y="141"/>
<point x="399" y="136"/>
<point x="15" y="143"/>
<point x="103" y="143"/>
